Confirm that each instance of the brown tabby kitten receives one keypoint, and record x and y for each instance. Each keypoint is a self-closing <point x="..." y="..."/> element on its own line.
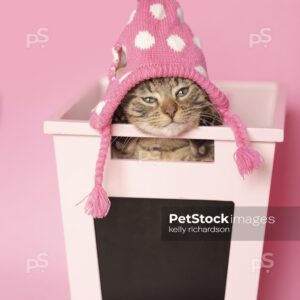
<point x="165" y="107"/>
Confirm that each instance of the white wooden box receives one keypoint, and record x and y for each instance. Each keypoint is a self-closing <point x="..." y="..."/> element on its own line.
<point x="261" y="106"/>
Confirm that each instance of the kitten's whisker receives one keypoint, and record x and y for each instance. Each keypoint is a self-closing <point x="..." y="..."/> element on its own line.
<point x="203" y="105"/>
<point x="215" y="116"/>
<point x="208" y="104"/>
<point x="211" y="120"/>
<point x="114" y="140"/>
<point x="211" y="116"/>
<point x="127" y="142"/>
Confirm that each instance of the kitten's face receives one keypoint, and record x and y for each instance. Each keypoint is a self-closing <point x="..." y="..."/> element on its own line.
<point x="165" y="106"/>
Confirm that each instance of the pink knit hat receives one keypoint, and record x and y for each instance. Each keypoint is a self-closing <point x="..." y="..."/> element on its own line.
<point x="158" y="43"/>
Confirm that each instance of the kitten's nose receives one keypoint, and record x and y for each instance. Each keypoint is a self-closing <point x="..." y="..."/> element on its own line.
<point x="170" y="108"/>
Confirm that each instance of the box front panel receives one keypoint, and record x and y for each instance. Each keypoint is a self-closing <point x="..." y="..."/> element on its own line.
<point x="139" y="259"/>
<point x="76" y="156"/>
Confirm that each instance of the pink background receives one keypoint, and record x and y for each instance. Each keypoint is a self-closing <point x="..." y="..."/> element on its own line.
<point x="36" y="81"/>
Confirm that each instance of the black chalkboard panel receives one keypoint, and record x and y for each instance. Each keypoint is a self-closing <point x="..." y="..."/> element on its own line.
<point x="136" y="262"/>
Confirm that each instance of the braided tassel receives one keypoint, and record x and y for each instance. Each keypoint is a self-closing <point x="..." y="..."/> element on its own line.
<point x="98" y="203"/>
<point x="247" y="159"/>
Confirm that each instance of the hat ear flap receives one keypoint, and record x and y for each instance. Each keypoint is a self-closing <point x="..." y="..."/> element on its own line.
<point x="247" y="159"/>
<point x="123" y="59"/>
<point x="119" y="61"/>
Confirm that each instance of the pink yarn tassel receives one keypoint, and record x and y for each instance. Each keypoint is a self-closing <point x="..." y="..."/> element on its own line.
<point x="98" y="203"/>
<point x="247" y="160"/>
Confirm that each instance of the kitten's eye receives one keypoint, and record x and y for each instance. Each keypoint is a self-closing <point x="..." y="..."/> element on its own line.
<point x="183" y="92"/>
<point x="149" y="100"/>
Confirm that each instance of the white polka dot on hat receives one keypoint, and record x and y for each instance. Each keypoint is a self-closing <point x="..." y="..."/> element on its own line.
<point x="157" y="42"/>
<point x="144" y="40"/>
